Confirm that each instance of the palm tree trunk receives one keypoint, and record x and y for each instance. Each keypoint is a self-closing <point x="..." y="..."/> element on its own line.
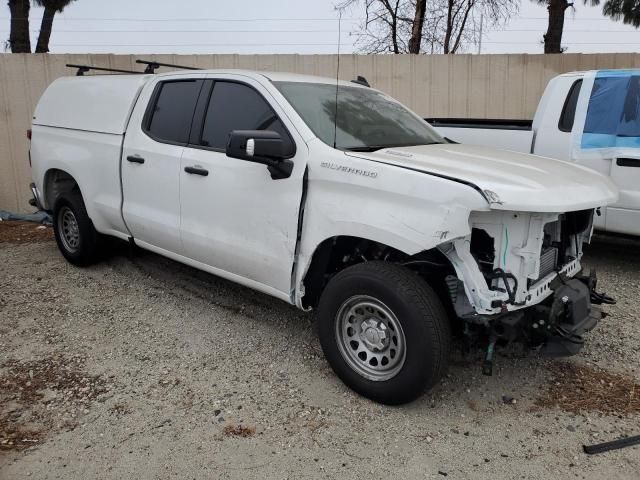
<point x="19" y="40"/>
<point x="553" y="37"/>
<point x="416" y="28"/>
<point x="45" y="30"/>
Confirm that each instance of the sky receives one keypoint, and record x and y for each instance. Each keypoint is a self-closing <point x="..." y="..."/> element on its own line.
<point x="285" y="26"/>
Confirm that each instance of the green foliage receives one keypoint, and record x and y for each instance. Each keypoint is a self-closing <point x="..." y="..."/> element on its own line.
<point x="626" y="10"/>
<point x="57" y="5"/>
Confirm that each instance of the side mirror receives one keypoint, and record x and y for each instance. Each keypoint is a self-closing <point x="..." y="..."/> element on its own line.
<point x="260" y="146"/>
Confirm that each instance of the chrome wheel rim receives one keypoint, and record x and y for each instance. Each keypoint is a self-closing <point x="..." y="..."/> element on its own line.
<point x="68" y="229"/>
<point x="370" y="338"/>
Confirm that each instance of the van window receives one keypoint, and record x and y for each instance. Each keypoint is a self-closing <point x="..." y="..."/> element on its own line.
<point x="175" y="102"/>
<point x="568" y="114"/>
<point x="235" y="106"/>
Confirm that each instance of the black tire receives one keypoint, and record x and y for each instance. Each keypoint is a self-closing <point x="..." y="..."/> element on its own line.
<point x="413" y="304"/>
<point x="85" y="246"/>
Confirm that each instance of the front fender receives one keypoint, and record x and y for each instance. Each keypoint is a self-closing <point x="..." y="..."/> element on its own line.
<point x="408" y="210"/>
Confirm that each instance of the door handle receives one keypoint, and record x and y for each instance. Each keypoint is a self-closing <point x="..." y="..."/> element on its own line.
<point x="196" y="171"/>
<point x="628" y="162"/>
<point x="135" y="159"/>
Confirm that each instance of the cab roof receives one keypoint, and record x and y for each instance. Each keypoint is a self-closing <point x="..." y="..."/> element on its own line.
<point x="614" y="71"/>
<point x="272" y="76"/>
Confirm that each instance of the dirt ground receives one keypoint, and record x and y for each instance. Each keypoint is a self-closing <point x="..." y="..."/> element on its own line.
<point x="24" y="232"/>
<point x="143" y="368"/>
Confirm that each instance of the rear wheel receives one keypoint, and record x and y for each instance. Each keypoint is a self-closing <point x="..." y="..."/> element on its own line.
<point x="384" y="331"/>
<point x="75" y="235"/>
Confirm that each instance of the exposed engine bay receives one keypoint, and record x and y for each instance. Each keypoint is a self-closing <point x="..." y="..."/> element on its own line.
<point x="516" y="277"/>
<point x="515" y="260"/>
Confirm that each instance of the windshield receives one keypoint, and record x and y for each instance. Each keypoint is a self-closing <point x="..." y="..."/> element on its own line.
<point x="366" y="120"/>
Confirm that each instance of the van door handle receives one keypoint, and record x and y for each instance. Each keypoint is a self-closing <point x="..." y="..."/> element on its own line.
<point x="628" y="162"/>
<point x="196" y="171"/>
<point x="135" y="159"/>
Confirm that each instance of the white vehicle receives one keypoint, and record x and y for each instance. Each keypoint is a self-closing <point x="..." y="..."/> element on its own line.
<point x="589" y="118"/>
<point x="395" y="237"/>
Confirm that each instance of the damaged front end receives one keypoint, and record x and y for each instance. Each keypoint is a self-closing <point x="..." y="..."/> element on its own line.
<point x="518" y="278"/>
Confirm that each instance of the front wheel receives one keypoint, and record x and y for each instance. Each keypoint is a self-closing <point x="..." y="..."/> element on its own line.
<point x="384" y="331"/>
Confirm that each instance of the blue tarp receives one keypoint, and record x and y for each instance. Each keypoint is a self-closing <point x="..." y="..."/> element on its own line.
<point x="613" y="114"/>
<point x="38" y="217"/>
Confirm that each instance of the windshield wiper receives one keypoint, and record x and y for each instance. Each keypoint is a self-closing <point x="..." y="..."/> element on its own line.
<point x="373" y="148"/>
<point x="366" y="148"/>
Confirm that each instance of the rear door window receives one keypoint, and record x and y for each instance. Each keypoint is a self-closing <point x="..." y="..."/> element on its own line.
<point x="630" y="118"/>
<point x="568" y="114"/>
<point x="235" y="106"/>
<point x="613" y="115"/>
<point x="169" y="120"/>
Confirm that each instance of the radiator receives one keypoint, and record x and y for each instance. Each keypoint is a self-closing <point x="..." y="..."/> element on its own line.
<point x="548" y="261"/>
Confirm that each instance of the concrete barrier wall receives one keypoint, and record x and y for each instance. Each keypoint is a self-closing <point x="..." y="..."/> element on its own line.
<point x="471" y="86"/>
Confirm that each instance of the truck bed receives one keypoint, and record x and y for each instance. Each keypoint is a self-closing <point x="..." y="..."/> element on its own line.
<point x="507" y="134"/>
<point x="486" y="123"/>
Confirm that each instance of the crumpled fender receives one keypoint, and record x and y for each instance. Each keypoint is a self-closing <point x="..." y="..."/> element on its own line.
<point x="408" y="210"/>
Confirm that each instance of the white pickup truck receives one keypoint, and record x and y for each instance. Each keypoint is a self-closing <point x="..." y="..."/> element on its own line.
<point x="590" y="118"/>
<point x="328" y="196"/>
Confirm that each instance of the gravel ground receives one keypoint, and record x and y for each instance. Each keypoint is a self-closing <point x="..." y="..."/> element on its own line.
<point x="143" y="368"/>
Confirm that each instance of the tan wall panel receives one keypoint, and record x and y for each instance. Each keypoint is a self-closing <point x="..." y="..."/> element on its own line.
<point x="18" y="108"/>
<point x="439" y="87"/>
<point x="472" y="86"/>
<point x="8" y="180"/>
<point x="478" y="86"/>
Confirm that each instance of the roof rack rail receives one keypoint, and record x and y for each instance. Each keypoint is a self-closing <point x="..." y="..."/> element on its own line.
<point x="153" y="66"/>
<point x="82" y="69"/>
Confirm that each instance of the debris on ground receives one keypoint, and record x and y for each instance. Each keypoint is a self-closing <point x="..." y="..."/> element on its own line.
<point x="13" y="231"/>
<point x="30" y="390"/>
<point x="580" y="388"/>
<point x="17" y="437"/>
<point x="613" y="445"/>
<point x="232" y="430"/>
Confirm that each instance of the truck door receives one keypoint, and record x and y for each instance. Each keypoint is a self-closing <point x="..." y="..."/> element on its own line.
<point x="624" y="215"/>
<point x="611" y="138"/>
<point x="236" y="219"/>
<point x="158" y="131"/>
